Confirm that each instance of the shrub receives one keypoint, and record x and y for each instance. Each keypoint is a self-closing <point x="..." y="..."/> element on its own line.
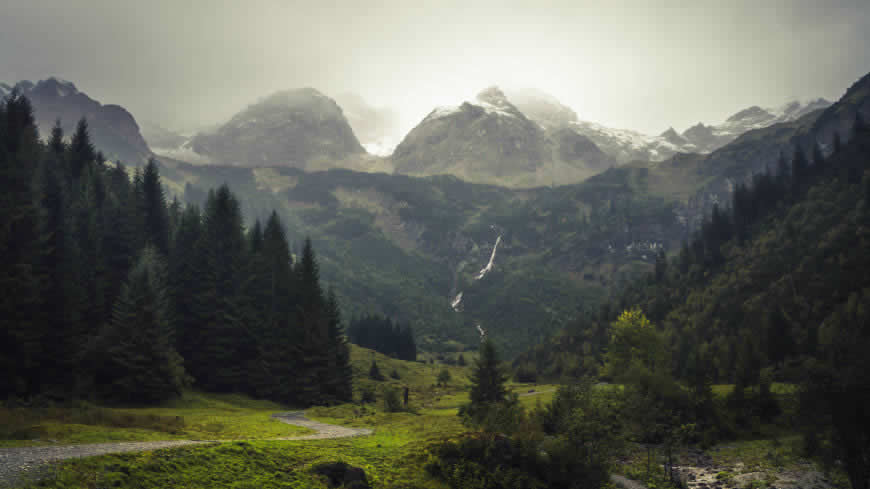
<point x="375" y="372"/>
<point x="367" y="395"/>
<point x="443" y="377"/>
<point x="392" y="400"/>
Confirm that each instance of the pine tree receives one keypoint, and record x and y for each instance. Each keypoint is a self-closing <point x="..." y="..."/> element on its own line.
<point x="271" y="306"/>
<point x="156" y="216"/>
<point x="135" y="353"/>
<point x="59" y="296"/>
<point x="488" y="377"/>
<point x="20" y="335"/>
<point x="339" y="388"/>
<point x="82" y="153"/>
<point x="186" y="265"/>
<point x="216" y="361"/>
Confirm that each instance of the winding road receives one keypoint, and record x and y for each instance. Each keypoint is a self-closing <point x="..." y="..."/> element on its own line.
<point x="16" y="463"/>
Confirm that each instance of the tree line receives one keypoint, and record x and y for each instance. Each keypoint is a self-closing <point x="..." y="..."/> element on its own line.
<point x="383" y="335"/>
<point x="109" y="291"/>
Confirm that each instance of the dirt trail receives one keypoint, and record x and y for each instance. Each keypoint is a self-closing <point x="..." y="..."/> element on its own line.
<point x="20" y="463"/>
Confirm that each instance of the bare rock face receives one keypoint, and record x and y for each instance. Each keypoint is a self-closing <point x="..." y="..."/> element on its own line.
<point x="113" y="129"/>
<point x="293" y="128"/>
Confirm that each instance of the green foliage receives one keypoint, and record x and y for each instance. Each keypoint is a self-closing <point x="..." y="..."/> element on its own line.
<point x="109" y="291"/>
<point x="375" y="372"/>
<point x="579" y="437"/>
<point x="443" y="377"/>
<point x="392" y="400"/>
<point x="134" y="356"/>
<point x="381" y="334"/>
<point x="489" y="400"/>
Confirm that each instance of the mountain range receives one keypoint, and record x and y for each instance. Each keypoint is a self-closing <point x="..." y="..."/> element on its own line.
<point x="448" y="254"/>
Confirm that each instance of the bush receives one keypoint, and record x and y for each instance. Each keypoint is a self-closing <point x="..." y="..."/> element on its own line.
<point x="392" y="400"/>
<point x="443" y="377"/>
<point x="375" y="372"/>
<point x="367" y="395"/>
<point x="395" y="374"/>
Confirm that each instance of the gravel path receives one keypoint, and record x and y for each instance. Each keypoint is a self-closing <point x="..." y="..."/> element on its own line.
<point x="323" y="430"/>
<point x="19" y="464"/>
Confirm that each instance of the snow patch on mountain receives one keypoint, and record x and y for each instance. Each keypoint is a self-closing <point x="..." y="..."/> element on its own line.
<point x="492" y="100"/>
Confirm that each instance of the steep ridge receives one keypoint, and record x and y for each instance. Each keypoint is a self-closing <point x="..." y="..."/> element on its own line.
<point x="113" y="129"/>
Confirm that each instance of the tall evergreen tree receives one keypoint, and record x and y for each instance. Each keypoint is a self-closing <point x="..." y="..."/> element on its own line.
<point x="186" y="265"/>
<point x="488" y="377"/>
<point x="216" y="361"/>
<point x="338" y="387"/>
<point x="156" y="215"/>
<point x="136" y="356"/>
<point x="82" y="152"/>
<point x="20" y="335"/>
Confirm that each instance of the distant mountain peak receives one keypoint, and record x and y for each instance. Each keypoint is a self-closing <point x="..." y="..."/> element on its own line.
<point x="673" y="137"/>
<point x="296" y="127"/>
<point x="113" y="129"/>
<point x="754" y="112"/>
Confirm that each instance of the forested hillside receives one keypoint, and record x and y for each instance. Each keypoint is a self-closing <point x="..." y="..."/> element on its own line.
<point x="764" y="287"/>
<point x="107" y="291"/>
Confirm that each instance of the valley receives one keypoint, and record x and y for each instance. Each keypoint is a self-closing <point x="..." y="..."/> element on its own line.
<point x="383" y="245"/>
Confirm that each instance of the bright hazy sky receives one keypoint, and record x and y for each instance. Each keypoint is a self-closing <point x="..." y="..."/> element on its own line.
<point x="642" y="65"/>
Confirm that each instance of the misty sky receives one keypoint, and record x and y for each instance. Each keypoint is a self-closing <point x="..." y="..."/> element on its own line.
<point x="639" y="65"/>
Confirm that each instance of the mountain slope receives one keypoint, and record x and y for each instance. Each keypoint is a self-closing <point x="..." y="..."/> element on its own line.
<point x="763" y="287"/>
<point x="489" y="140"/>
<point x="626" y="145"/>
<point x="407" y="247"/>
<point x="113" y="129"/>
<point x="294" y="128"/>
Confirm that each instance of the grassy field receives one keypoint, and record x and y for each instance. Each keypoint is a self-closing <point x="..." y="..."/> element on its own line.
<point x="779" y="388"/>
<point x="393" y="456"/>
<point x="194" y="416"/>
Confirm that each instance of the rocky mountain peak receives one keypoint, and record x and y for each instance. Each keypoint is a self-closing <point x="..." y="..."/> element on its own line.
<point x="113" y="129"/>
<point x="54" y="87"/>
<point x="673" y="137"/>
<point x="755" y="112"/>
<point x="295" y="128"/>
